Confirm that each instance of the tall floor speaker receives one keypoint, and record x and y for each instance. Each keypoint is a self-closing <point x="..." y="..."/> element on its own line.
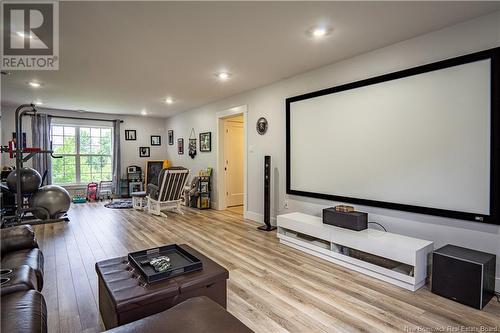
<point x="267" y="195"/>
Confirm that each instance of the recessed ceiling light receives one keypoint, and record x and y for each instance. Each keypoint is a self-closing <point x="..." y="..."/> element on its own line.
<point x="143" y="112"/>
<point x="223" y="76"/>
<point x="169" y="100"/>
<point x="319" y="32"/>
<point x="35" y="84"/>
<point x="23" y="35"/>
<point x="38" y="102"/>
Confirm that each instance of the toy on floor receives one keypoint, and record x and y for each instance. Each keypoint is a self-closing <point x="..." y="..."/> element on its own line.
<point x="78" y="198"/>
<point x="92" y="191"/>
<point x="105" y="190"/>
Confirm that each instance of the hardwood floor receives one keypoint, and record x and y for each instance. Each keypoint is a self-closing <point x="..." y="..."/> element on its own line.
<point x="236" y="209"/>
<point x="272" y="288"/>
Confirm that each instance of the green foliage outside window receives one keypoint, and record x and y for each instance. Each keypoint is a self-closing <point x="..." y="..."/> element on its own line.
<point x="87" y="154"/>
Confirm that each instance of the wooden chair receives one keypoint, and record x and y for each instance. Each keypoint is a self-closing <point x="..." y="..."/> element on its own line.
<point x="167" y="194"/>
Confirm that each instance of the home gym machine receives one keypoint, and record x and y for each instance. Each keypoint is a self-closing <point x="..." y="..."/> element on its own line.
<point x="47" y="204"/>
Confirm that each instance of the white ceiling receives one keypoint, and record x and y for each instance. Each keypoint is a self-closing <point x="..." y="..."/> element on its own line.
<point x="122" y="57"/>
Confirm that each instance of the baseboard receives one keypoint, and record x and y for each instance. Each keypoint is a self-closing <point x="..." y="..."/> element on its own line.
<point x="257" y="217"/>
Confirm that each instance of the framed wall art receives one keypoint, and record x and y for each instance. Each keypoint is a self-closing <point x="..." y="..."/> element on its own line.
<point x="171" y="137"/>
<point x="206" y="142"/>
<point x="130" y="135"/>
<point x="144" y="152"/>
<point x="155" y="140"/>
<point x="180" y="146"/>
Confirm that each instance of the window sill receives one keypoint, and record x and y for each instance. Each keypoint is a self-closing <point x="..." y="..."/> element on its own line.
<point x="73" y="186"/>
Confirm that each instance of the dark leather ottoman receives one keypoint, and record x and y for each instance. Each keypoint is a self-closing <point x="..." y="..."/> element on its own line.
<point x="124" y="297"/>
<point x="22" y="278"/>
<point x="196" y="315"/>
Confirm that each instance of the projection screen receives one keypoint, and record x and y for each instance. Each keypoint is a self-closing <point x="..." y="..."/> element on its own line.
<point x="417" y="140"/>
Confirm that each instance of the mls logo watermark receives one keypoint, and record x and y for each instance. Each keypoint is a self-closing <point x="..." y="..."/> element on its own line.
<point x="30" y="35"/>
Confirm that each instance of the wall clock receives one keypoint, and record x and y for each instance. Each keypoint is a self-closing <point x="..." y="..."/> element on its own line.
<point x="262" y="126"/>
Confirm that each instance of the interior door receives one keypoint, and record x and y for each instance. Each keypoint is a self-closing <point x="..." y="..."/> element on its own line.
<point x="233" y="154"/>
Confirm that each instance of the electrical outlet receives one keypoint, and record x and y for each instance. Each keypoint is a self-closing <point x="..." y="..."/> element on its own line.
<point x="286" y="204"/>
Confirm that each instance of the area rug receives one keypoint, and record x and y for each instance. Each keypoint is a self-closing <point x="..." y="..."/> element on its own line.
<point x="119" y="204"/>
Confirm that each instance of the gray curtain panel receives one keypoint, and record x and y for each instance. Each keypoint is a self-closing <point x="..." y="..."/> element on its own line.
<point x="40" y="129"/>
<point x="116" y="157"/>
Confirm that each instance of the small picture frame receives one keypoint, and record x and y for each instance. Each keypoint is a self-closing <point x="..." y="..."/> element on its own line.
<point x="130" y="135"/>
<point x="155" y="140"/>
<point x="180" y="146"/>
<point x="144" y="152"/>
<point x="206" y="142"/>
<point x="170" y="137"/>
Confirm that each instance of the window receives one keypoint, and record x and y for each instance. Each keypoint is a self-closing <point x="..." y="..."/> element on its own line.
<point x="86" y="151"/>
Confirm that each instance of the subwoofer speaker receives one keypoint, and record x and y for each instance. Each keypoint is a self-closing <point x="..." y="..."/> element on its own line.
<point x="267" y="195"/>
<point x="463" y="275"/>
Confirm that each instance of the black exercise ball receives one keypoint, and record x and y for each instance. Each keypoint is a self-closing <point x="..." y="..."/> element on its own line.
<point x="54" y="199"/>
<point x="30" y="180"/>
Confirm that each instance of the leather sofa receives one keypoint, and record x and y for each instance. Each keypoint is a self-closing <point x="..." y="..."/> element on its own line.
<point x="195" y="315"/>
<point x="23" y="307"/>
<point x="24" y="312"/>
<point x="18" y="246"/>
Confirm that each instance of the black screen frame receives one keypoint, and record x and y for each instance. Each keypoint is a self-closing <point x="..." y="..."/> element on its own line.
<point x="493" y="217"/>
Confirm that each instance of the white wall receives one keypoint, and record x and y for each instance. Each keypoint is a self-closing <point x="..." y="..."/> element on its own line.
<point x="269" y="101"/>
<point x="145" y="127"/>
<point x="201" y="122"/>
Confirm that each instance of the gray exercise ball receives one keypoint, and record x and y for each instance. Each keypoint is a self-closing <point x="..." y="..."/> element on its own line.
<point x="55" y="199"/>
<point x="30" y="180"/>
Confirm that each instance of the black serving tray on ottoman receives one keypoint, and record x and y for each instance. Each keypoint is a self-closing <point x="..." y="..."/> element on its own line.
<point x="181" y="262"/>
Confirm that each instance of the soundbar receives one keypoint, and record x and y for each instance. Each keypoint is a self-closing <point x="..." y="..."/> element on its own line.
<point x="350" y="220"/>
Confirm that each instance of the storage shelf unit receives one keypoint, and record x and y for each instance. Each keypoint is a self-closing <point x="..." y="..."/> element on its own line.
<point x="204" y="189"/>
<point x="393" y="258"/>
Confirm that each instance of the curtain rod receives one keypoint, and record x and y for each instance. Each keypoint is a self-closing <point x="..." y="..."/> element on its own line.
<point x="81" y="118"/>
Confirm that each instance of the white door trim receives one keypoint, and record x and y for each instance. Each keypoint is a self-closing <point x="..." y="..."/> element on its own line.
<point x="221" y="181"/>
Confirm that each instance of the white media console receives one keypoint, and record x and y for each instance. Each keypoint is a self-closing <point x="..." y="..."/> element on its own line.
<point x="393" y="258"/>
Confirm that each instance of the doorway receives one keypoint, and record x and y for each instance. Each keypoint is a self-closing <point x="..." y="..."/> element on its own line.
<point x="231" y="160"/>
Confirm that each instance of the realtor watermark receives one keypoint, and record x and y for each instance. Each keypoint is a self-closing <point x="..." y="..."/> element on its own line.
<point x="451" y="328"/>
<point x="30" y="35"/>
